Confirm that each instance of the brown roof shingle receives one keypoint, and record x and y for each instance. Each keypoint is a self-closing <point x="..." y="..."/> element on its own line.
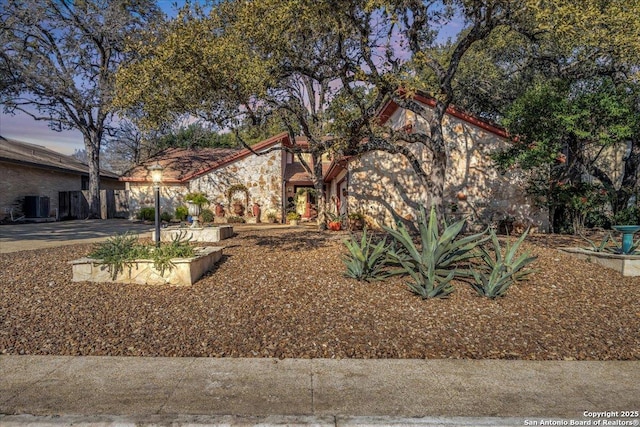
<point x="182" y="164"/>
<point x="38" y="156"/>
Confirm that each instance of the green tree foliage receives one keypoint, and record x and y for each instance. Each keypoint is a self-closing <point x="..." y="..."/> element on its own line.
<point x="58" y="63"/>
<point x="325" y="67"/>
<point x="565" y="131"/>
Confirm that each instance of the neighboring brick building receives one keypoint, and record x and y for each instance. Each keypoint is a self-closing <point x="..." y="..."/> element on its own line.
<point x="45" y="177"/>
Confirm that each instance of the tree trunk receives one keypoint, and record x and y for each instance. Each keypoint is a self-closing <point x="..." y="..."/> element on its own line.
<point x="318" y="184"/>
<point x="435" y="189"/>
<point x="92" y="145"/>
<point x="630" y="178"/>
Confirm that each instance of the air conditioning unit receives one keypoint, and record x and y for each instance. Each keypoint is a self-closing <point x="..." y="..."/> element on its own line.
<point x="36" y="207"/>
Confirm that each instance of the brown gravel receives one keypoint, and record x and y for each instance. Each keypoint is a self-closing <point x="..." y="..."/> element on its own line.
<point x="281" y="293"/>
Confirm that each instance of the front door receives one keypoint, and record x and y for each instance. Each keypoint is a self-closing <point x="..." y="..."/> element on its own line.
<point x="306" y="202"/>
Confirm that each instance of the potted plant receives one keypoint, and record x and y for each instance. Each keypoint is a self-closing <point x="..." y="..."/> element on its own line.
<point x="293" y="218"/>
<point x="194" y="205"/>
<point x="334" y="222"/>
<point x="356" y="221"/>
<point x="272" y="217"/>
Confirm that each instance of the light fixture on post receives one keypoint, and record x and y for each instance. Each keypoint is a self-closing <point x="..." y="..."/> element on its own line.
<point x="156" y="177"/>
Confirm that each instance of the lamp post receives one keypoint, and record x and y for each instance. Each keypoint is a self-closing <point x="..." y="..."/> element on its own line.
<point x="156" y="177"/>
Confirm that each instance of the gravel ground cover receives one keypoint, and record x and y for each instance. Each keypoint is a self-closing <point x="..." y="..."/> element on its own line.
<point x="282" y="293"/>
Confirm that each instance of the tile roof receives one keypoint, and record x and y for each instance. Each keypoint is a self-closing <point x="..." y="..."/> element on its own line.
<point x="183" y="164"/>
<point x="38" y="156"/>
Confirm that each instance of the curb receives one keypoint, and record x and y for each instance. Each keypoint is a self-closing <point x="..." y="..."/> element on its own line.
<point x="247" y="421"/>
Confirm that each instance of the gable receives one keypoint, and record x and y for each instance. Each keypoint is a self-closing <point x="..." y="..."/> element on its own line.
<point x="181" y="165"/>
<point x="400" y="117"/>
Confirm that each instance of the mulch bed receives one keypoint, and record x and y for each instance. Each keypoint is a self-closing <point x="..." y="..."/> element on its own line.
<point x="282" y="293"/>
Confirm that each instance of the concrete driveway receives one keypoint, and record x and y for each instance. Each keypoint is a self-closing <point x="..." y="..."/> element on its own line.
<point x="20" y="237"/>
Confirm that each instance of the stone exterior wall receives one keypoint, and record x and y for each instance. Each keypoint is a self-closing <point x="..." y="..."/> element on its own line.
<point x="385" y="187"/>
<point x="261" y="175"/>
<point x="141" y="196"/>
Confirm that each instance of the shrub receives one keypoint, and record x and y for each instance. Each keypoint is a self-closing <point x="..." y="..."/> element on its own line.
<point x="207" y="215"/>
<point x="235" y="220"/>
<point x="122" y="250"/>
<point x="182" y="212"/>
<point x="197" y="197"/>
<point x="433" y="264"/>
<point x="165" y="216"/>
<point x="627" y="216"/>
<point x="365" y="260"/>
<point x="498" y="271"/>
<point x="293" y="216"/>
<point x="146" y="214"/>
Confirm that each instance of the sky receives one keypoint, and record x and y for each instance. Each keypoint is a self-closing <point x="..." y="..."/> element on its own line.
<point x="22" y="127"/>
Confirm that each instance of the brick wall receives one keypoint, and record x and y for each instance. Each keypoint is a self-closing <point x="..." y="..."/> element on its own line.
<point x="19" y="181"/>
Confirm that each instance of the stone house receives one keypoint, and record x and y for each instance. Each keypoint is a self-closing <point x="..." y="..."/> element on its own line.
<point x="385" y="188"/>
<point x="227" y="176"/>
<point x="382" y="187"/>
<point x="40" y="183"/>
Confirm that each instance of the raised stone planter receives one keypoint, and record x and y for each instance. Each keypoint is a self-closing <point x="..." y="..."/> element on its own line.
<point x="185" y="271"/>
<point x="628" y="265"/>
<point x="201" y="234"/>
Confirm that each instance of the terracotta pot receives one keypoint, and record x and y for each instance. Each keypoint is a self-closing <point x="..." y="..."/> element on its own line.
<point x="335" y="226"/>
<point x="256" y="211"/>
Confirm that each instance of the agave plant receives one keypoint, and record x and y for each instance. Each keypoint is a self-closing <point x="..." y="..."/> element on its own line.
<point x="432" y="264"/>
<point x="499" y="271"/>
<point x="365" y="260"/>
<point x="600" y="247"/>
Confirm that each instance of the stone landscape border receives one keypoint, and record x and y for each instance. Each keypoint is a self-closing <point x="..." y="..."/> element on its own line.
<point x="185" y="271"/>
<point x="627" y="265"/>
<point x="199" y="234"/>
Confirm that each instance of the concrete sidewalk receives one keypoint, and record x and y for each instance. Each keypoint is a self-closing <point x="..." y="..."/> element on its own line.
<point x="56" y="390"/>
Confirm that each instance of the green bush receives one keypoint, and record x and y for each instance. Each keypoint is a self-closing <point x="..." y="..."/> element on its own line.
<point x="146" y="214"/>
<point x="182" y="212"/>
<point x="432" y="264"/>
<point x="197" y="197"/>
<point x="122" y="250"/>
<point x="498" y="271"/>
<point x="235" y="220"/>
<point x="165" y="216"/>
<point x="293" y="216"/>
<point x="628" y="216"/>
<point x="365" y="260"/>
<point x="207" y="215"/>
